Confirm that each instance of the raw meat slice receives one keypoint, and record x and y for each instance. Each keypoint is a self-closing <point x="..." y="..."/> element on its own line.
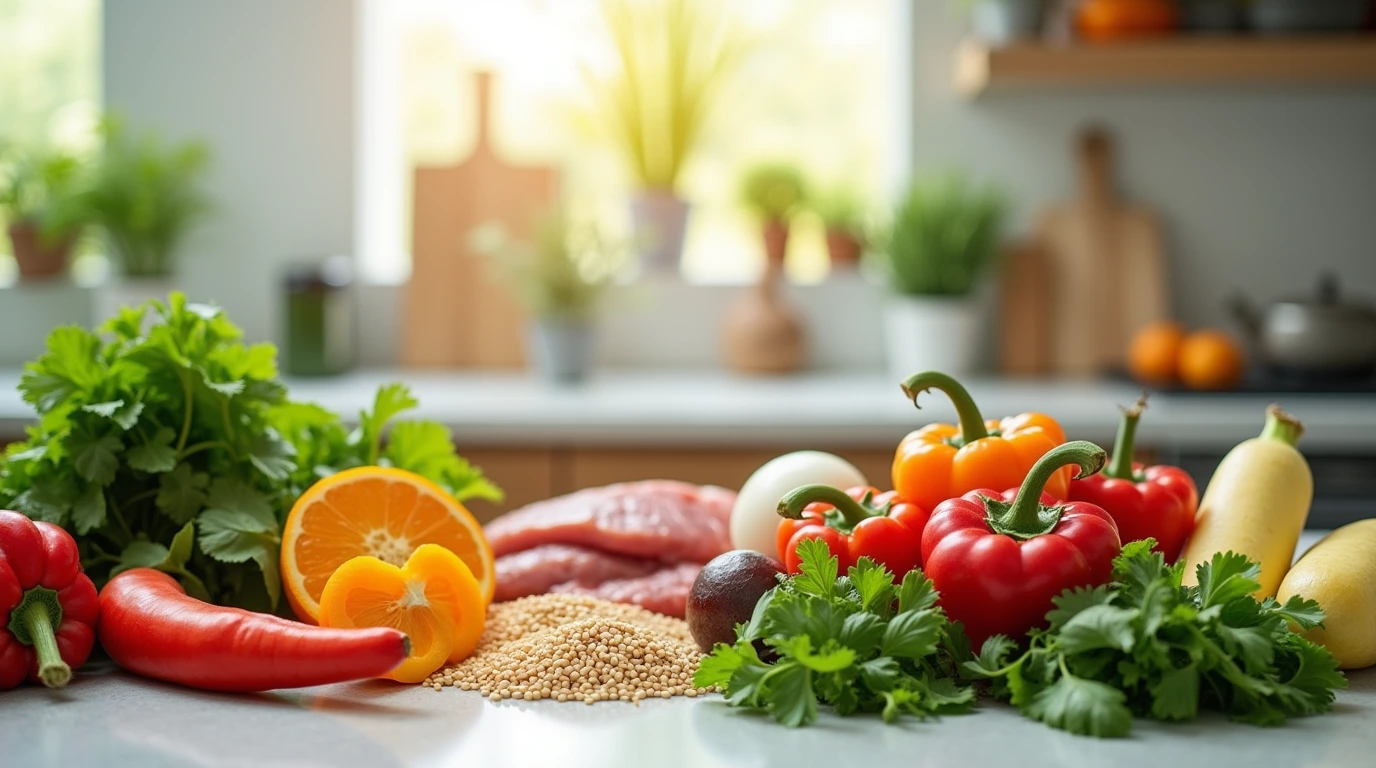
<point x="662" y="520"/>
<point x="664" y="591"/>
<point x="536" y="571"/>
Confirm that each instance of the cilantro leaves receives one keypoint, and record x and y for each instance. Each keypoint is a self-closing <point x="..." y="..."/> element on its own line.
<point x="842" y="641"/>
<point x="166" y="442"/>
<point x="1146" y="646"/>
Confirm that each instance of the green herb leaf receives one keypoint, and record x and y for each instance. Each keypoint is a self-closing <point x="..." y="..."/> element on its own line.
<point x="1098" y="626"/>
<point x="140" y="554"/>
<point x="817" y="569"/>
<point x="916" y="593"/>
<point x="1175" y="696"/>
<point x="181" y="493"/>
<point x="1226" y="576"/>
<point x="156" y="455"/>
<point x="1082" y="706"/>
<point x="912" y="635"/>
<point x="391" y="401"/>
<point x="238" y="525"/>
<point x="88" y="511"/>
<point x="272" y="455"/>
<point x="993" y="655"/>
<point x="873" y="583"/>
<point x="1305" y="613"/>
<point x="862" y="631"/>
<point x="96" y="458"/>
<point x="791" y="700"/>
<point x="1073" y="601"/>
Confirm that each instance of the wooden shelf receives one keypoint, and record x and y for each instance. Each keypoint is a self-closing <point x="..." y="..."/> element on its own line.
<point x="1177" y="61"/>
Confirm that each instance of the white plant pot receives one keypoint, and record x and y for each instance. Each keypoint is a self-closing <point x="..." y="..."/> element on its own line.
<point x="932" y="333"/>
<point x="118" y="292"/>
<point x="561" y="352"/>
<point x="997" y="22"/>
<point x="659" y="220"/>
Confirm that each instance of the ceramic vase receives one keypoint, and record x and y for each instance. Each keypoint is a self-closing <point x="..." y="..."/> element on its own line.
<point x="561" y="351"/>
<point x="37" y="259"/>
<point x="659" y="220"/>
<point x="931" y="333"/>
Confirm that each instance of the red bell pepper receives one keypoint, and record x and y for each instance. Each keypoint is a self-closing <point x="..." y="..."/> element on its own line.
<point x="998" y="558"/>
<point x="1157" y="502"/>
<point x="860" y="522"/>
<point x="48" y="607"/>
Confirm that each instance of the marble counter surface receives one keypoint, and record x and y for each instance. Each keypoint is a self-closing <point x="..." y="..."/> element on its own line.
<point x="667" y="407"/>
<point x="112" y="720"/>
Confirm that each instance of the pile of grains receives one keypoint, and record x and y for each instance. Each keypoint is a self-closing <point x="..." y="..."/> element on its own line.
<point x="575" y="648"/>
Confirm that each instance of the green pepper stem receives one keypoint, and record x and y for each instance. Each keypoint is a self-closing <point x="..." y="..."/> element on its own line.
<point x="1024" y="515"/>
<point x="795" y="501"/>
<point x="1282" y="426"/>
<point x="1120" y="466"/>
<point x="971" y="422"/>
<point x="52" y="670"/>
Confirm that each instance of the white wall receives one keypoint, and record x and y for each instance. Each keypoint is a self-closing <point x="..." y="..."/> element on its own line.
<point x="270" y="84"/>
<point x="1260" y="188"/>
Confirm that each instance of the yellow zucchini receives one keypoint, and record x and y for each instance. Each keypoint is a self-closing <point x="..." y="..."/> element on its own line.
<point x="1256" y="503"/>
<point x="1340" y="574"/>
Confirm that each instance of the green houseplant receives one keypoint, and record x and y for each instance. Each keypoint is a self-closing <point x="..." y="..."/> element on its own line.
<point x="775" y="192"/>
<point x="672" y="57"/>
<point x="560" y="274"/>
<point x="943" y="238"/>
<point x="146" y="196"/>
<point x="46" y="200"/>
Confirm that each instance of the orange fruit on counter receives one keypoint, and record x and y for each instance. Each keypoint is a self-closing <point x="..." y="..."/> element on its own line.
<point x="433" y="598"/>
<point x="380" y="511"/>
<point x="1154" y="354"/>
<point x="1210" y="359"/>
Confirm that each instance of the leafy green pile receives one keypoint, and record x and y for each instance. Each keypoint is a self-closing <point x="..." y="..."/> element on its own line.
<point x="1147" y="646"/>
<point x="857" y="642"/>
<point x="173" y="445"/>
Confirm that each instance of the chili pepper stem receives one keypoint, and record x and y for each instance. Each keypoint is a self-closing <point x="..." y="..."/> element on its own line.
<point x="1282" y="426"/>
<point x="36" y="618"/>
<point x="971" y="421"/>
<point x="1024" y="518"/>
<point x="1120" y="466"/>
<point x="792" y="504"/>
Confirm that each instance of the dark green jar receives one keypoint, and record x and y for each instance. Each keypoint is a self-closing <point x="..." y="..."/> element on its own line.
<point x="321" y="333"/>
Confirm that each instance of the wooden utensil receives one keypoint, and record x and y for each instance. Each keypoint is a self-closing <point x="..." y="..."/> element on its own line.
<point x="458" y="312"/>
<point x="761" y="333"/>
<point x="1106" y="262"/>
<point x="1024" y="325"/>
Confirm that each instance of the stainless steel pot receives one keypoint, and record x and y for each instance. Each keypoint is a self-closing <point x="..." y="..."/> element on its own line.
<point x="1323" y="335"/>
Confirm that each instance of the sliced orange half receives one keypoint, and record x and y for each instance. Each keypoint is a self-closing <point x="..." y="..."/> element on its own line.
<point x="434" y="599"/>
<point x="380" y="511"/>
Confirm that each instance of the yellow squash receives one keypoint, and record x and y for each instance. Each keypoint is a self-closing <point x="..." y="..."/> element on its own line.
<point x="1256" y="503"/>
<point x="1340" y="574"/>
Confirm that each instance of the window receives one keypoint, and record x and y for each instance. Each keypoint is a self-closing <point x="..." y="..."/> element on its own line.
<point x="820" y="87"/>
<point x="49" y="79"/>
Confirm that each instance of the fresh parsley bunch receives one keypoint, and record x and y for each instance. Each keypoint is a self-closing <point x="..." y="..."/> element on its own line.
<point x="171" y="444"/>
<point x="856" y="642"/>
<point x="1145" y="645"/>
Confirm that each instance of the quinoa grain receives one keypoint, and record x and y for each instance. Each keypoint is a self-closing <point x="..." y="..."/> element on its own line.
<point x="575" y="648"/>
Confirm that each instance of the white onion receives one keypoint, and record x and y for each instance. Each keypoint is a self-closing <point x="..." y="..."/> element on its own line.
<point x="755" y="518"/>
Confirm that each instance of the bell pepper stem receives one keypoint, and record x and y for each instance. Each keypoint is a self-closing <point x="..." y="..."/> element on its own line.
<point x="1282" y="426"/>
<point x="1025" y="513"/>
<point x="971" y="422"/>
<point x="36" y="617"/>
<point x="795" y="501"/>
<point x="1120" y="466"/>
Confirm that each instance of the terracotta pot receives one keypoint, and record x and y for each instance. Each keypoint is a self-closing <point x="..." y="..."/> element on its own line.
<point x="843" y="248"/>
<point x="775" y="242"/>
<point x="761" y="333"/>
<point x="39" y="260"/>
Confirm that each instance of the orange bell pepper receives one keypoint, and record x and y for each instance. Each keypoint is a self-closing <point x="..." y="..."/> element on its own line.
<point x="943" y="461"/>
<point x="434" y="599"/>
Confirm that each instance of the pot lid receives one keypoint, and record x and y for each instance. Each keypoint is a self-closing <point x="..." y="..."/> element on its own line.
<point x="1328" y="298"/>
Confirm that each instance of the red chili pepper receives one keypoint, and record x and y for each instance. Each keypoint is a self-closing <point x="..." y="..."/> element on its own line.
<point x="998" y="558"/>
<point x="48" y="607"/>
<point x="860" y="522"/>
<point x="1157" y="502"/>
<point x="150" y="626"/>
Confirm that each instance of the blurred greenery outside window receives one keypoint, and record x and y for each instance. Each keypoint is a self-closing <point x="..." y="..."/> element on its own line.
<point x="817" y="88"/>
<point x="49" y="86"/>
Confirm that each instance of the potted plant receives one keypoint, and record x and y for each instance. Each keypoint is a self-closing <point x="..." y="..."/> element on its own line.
<point x="560" y="275"/>
<point x="775" y="192"/>
<point x="943" y="238"/>
<point x="45" y="199"/>
<point x="146" y="196"/>
<point x="999" y="22"/>
<point x="672" y="58"/>
<point x="843" y="217"/>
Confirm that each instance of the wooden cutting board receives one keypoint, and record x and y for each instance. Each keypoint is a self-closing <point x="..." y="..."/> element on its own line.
<point x="1024" y="326"/>
<point x="459" y="311"/>
<point x="1107" y="265"/>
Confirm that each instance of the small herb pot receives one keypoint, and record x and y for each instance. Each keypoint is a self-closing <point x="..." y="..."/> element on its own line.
<point x="998" y="22"/>
<point x="561" y="351"/>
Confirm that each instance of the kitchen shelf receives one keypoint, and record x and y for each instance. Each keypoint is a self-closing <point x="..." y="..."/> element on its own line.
<point x="1175" y="61"/>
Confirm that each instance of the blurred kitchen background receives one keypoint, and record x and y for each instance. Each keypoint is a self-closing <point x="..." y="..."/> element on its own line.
<point x="618" y="239"/>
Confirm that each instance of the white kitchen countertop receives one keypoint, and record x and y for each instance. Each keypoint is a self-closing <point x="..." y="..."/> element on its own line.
<point x="717" y="408"/>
